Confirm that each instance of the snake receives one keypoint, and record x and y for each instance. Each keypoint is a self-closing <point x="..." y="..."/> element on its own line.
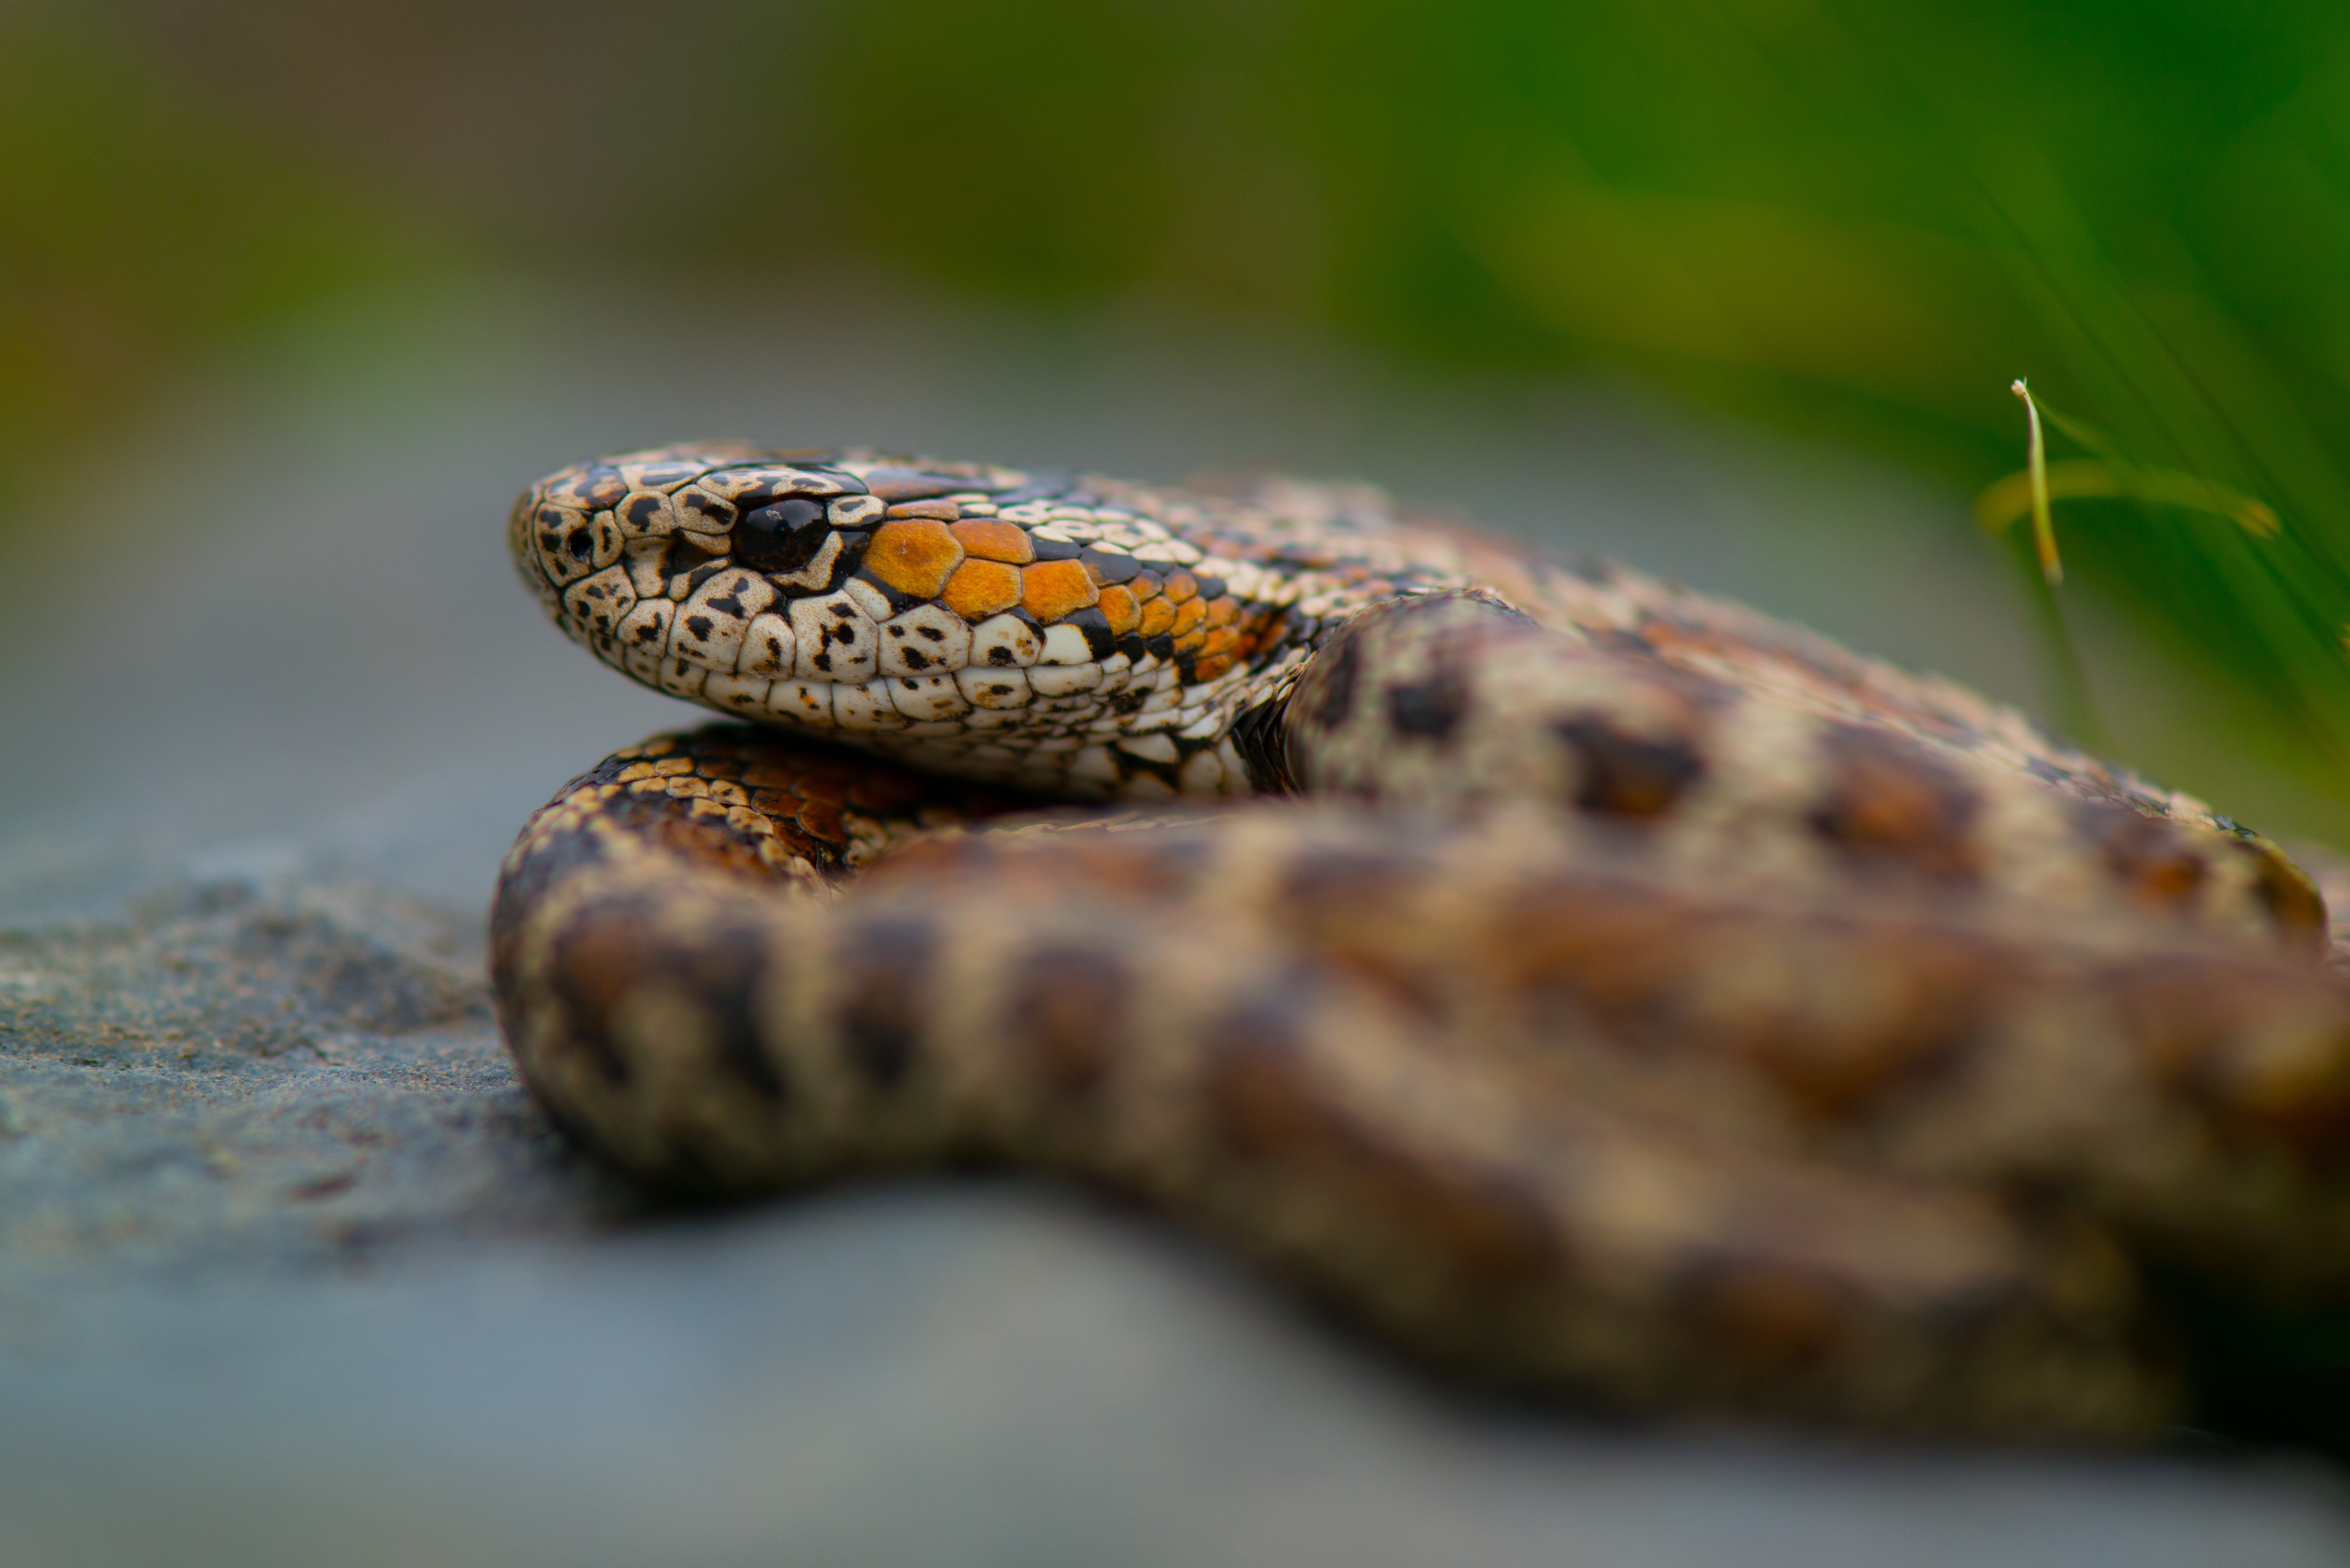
<point x="1586" y="987"/>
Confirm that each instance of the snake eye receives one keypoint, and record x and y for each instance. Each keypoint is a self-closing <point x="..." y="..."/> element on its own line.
<point x="782" y="537"/>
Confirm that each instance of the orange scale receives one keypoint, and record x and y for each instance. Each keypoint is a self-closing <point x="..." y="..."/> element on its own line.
<point x="1051" y="589"/>
<point x="1187" y="615"/>
<point x="1157" y="616"/>
<point x="991" y="540"/>
<point x="915" y="555"/>
<point x="1258" y="635"/>
<point x="1224" y="611"/>
<point x="981" y="588"/>
<point x="1208" y="669"/>
<point x="1118" y="608"/>
<point x="1182" y="586"/>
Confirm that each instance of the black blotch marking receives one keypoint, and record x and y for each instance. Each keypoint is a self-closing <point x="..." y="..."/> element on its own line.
<point x="1327" y="882"/>
<point x="1620" y="639"/>
<point x="599" y="487"/>
<point x="1211" y="589"/>
<point x="1892" y="799"/>
<point x="1628" y="774"/>
<point x="887" y="965"/>
<point x="854" y="543"/>
<point x="592" y="964"/>
<point x="1068" y="1005"/>
<point x="1432" y="709"/>
<point x="899" y="599"/>
<point x="1161" y="648"/>
<point x="549" y="858"/>
<point x="1264" y="1101"/>
<point x="2151" y="859"/>
<point x="729" y="968"/>
<point x="760" y="493"/>
<point x="1108" y="566"/>
<point x="1001" y="655"/>
<point x="934" y="633"/>
<point x="667" y="476"/>
<point x="1055" y="549"/>
<point x="1335" y="673"/>
<point x="1127" y="702"/>
<point x="2291" y="900"/>
<point x="1101" y="641"/>
<point x="700" y="626"/>
<point x="718" y="515"/>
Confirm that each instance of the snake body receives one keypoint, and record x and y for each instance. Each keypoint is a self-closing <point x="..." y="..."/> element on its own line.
<point x="1606" y="989"/>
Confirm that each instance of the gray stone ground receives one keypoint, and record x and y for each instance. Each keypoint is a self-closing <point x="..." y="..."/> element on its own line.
<point x="291" y="1273"/>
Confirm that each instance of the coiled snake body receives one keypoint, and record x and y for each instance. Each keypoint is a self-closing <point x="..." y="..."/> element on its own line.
<point x="1606" y="989"/>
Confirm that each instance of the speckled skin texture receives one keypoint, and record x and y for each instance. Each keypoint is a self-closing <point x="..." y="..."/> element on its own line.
<point x="1654" y="1003"/>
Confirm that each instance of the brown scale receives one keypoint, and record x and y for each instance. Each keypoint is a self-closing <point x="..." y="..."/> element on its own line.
<point x="1689" y="1015"/>
<point x="1459" y="702"/>
<point x="1785" y="1017"/>
<point x="1450" y="1197"/>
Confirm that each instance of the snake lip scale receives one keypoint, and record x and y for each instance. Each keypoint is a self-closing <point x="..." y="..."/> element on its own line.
<point x="1588" y="985"/>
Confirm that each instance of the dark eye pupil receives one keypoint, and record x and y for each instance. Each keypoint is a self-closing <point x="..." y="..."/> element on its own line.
<point x="782" y="537"/>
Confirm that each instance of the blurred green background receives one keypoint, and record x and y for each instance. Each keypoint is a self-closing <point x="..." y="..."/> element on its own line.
<point x="1855" y="221"/>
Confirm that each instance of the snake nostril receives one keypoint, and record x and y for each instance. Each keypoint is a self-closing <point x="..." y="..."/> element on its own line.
<point x="782" y="537"/>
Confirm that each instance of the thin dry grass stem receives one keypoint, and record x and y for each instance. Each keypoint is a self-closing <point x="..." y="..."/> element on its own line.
<point x="2108" y="476"/>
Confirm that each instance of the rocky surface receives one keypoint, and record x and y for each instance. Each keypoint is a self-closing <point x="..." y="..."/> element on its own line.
<point x="290" y="1272"/>
<point x="238" y="1077"/>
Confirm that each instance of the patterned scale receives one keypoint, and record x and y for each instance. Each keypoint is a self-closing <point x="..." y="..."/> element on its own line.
<point x="1645" y="1002"/>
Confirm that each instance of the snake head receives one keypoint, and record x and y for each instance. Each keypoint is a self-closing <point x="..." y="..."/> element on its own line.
<point x="904" y="604"/>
